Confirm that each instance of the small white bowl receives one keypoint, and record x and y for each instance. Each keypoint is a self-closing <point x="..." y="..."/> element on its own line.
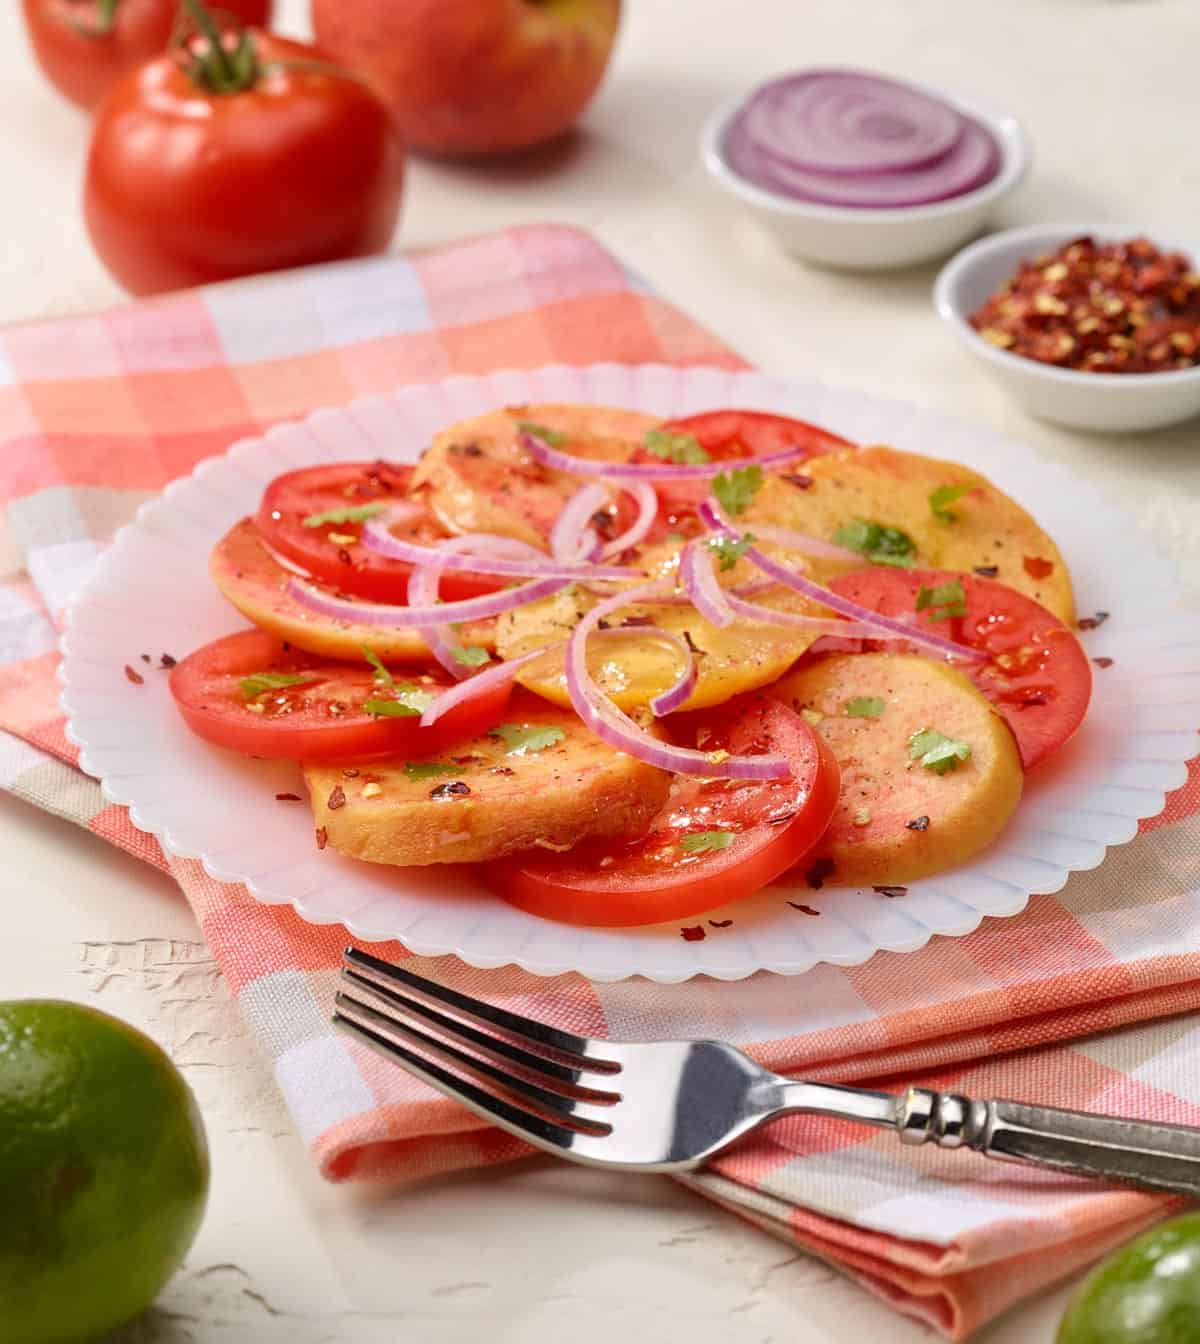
<point x="874" y="239"/>
<point x="1110" y="403"/>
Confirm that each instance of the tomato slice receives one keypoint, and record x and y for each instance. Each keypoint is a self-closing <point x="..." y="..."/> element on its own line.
<point x="763" y="828"/>
<point x="332" y="551"/>
<point x="729" y="434"/>
<point x="320" y="719"/>
<point x="1039" y="677"/>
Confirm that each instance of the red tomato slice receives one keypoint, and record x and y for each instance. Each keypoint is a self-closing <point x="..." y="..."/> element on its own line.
<point x="1039" y="677"/>
<point x="321" y="719"/>
<point x="332" y="551"/>
<point x="765" y="829"/>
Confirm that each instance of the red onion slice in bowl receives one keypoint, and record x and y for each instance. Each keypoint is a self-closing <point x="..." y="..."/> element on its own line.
<point x="849" y="123"/>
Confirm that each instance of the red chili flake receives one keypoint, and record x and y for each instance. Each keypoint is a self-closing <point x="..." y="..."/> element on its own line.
<point x="1093" y="622"/>
<point x="502" y="770"/>
<point x="1103" y="662"/>
<point x="337" y="798"/>
<point x="891" y="892"/>
<point x="987" y="571"/>
<point x="798" y="479"/>
<point x="288" y="798"/>
<point x="820" y="870"/>
<point x="135" y="677"/>
<point x="720" y="923"/>
<point x="805" y="909"/>
<point x="369" y="778"/>
<point x="344" y="556"/>
<point x="455" y="788"/>
<point x="145" y="657"/>
<point x="917" y="824"/>
<point x="1036" y="567"/>
<point x="166" y="661"/>
<point x="350" y="773"/>
<point x="322" y="837"/>
<point x="695" y="934"/>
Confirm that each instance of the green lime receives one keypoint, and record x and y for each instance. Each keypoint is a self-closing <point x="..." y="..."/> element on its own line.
<point x="1146" y="1293"/>
<point x="103" y="1172"/>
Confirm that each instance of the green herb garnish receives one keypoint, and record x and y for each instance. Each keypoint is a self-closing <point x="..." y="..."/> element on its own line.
<point x="944" y="601"/>
<point x="729" y="550"/>
<point x="735" y="490"/>
<point x="941" y="499"/>
<point x="683" y="448"/>
<point x="520" y="739"/>
<point x="550" y="436"/>
<point x="937" y="752"/>
<point x="358" y="513"/>
<point x="701" y="842"/>
<point x="865" y="707"/>
<point x="881" y="545"/>
<point x="272" y="681"/>
<point x="382" y="675"/>
<point x="470" y="655"/>
<point x="429" y="769"/>
<point x="410" y="700"/>
<point x="676" y="538"/>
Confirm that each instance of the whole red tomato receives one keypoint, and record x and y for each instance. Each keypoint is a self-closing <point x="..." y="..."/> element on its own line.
<point x="85" y="46"/>
<point x="293" y="162"/>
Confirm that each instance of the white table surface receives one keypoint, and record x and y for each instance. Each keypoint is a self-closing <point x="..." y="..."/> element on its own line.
<point x="551" y="1251"/>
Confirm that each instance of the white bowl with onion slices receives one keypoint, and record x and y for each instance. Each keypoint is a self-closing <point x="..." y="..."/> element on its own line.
<point x="879" y="237"/>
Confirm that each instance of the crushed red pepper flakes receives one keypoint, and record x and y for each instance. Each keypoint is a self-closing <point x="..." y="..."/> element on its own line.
<point x="719" y="923"/>
<point x="1092" y="622"/>
<point x="322" y="837"/>
<point x="455" y="788"/>
<point x="1123" y="307"/>
<point x="798" y="479"/>
<point x="693" y="934"/>
<point x="167" y="662"/>
<point x="820" y="870"/>
<point x="805" y="909"/>
<point x="987" y="571"/>
<point x="917" y="824"/>
<point x="350" y="773"/>
<point x="891" y="892"/>
<point x="1036" y="567"/>
<point x="288" y="798"/>
<point x="132" y="675"/>
<point x="1103" y="662"/>
<point x="145" y="657"/>
<point x="337" y="798"/>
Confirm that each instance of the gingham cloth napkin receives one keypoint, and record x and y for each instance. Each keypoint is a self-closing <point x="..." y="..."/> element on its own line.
<point x="99" y="412"/>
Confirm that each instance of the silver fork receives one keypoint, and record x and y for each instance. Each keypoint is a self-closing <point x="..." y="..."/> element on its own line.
<point x="672" y="1105"/>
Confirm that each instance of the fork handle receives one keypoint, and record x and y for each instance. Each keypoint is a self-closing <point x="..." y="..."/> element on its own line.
<point x="1137" y="1152"/>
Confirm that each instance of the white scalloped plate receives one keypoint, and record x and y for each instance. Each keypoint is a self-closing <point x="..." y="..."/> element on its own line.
<point x="151" y="592"/>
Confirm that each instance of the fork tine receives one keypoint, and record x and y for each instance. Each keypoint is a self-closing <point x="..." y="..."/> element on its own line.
<point x="546" y="1069"/>
<point x="568" y="1107"/>
<point x="495" y="1110"/>
<point x="535" y="1034"/>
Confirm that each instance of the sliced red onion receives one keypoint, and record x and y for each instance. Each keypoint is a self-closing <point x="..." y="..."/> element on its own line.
<point x="646" y="498"/>
<point x="649" y="471"/>
<point x="848" y="123"/>
<point x="794" y="620"/>
<point x="483" y="553"/>
<point x="699" y="579"/>
<point x="615" y="727"/>
<point x="974" y="160"/>
<point x="573" y="538"/>
<point x="793" y="541"/>
<point x="444" y="613"/>
<point x="842" y="605"/>
<point x="423" y="585"/>
<point x="475" y="685"/>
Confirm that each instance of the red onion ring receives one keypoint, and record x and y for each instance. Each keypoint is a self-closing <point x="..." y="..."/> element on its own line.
<point x="792" y="541"/>
<point x="781" y="574"/>
<point x="470" y="553"/>
<point x="699" y="578"/>
<point x="646" y="498"/>
<point x="849" y="123"/>
<point x="496" y="675"/>
<point x="649" y="471"/>
<point x="572" y="538"/>
<point x="794" y="620"/>
<point x="444" y="613"/>
<point x="423" y="585"/>
<point x="614" y="726"/>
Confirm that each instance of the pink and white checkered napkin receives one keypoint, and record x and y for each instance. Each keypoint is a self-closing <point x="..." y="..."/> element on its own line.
<point x="1085" y="1000"/>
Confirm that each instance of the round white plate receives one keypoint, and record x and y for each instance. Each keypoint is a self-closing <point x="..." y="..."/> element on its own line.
<point x="151" y="593"/>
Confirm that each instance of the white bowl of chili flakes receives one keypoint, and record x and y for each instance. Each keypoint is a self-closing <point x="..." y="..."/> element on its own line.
<point x="1094" y="326"/>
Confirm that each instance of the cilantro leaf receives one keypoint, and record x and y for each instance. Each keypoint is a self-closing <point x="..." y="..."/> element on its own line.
<point x="735" y="490"/>
<point x="881" y="545"/>
<point x="358" y="513"/>
<point x="470" y="655"/>
<point x="382" y="675"/>
<point x="937" y="752"/>
<point x="677" y="538"/>
<point x="272" y="681"/>
<point x="409" y="700"/>
<point x="550" y="436"/>
<point x="701" y="842"/>
<point x="522" y="738"/>
<point x="683" y="448"/>
<point x="941" y="499"/>
<point x="865" y="707"/>
<point x="944" y="601"/>
<point x="729" y="550"/>
<point x="429" y="769"/>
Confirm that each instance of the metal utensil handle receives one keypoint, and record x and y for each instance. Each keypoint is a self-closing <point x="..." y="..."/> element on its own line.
<point x="1137" y="1152"/>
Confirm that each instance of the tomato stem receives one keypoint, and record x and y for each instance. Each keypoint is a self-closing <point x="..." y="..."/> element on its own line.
<point x="219" y="70"/>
